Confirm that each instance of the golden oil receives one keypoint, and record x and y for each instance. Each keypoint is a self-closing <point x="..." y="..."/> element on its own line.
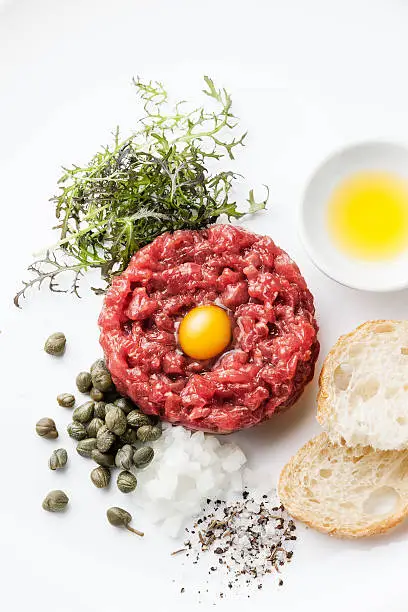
<point x="368" y="215"/>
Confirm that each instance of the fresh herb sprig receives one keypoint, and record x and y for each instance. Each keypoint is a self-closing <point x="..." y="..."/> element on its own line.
<point x="155" y="181"/>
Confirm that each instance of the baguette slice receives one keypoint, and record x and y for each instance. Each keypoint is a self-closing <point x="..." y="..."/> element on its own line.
<point x="346" y="492"/>
<point x="363" y="396"/>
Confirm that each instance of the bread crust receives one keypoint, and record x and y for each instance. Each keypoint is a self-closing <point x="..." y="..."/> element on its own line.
<point x="289" y="486"/>
<point x="296" y="491"/>
<point x="325" y="408"/>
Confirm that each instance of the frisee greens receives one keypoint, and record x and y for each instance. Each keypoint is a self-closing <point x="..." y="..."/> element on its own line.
<point x="154" y="181"/>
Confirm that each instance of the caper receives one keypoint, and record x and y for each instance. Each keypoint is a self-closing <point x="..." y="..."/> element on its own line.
<point x="100" y="410"/>
<point x="96" y="395"/>
<point x="101" y="379"/>
<point x="94" y="426"/>
<point x="46" y="428"/>
<point x="86" y="446"/>
<point x="55" y="501"/>
<point x="83" y="413"/>
<point x="58" y="459"/>
<point x="104" y="439"/>
<point x="129" y="437"/>
<point x="103" y="459"/>
<point x="66" y="400"/>
<point x="99" y="364"/>
<point x="120" y="518"/>
<point x="55" y="344"/>
<point x="77" y="431"/>
<point x="138" y="419"/>
<point x="143" y="456"/>
<point x="149" y="433"/>
<point x="124" y="404"/>
<point x="101" y="476"/>
<point x="115" y="420"/>
<point x="126" y="482"/>
<point x="124" y="457"/>
<point x="83" y="382"/>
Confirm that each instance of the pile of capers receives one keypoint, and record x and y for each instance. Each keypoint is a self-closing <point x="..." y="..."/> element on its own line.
<point x="110" y="429"/>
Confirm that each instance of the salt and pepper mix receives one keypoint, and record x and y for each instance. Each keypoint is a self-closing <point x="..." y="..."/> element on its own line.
<point x="245" y="540"/>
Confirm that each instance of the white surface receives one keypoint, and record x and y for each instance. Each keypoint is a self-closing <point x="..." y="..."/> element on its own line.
<point x="306" y="78"/>
<point x="388" y="275"/>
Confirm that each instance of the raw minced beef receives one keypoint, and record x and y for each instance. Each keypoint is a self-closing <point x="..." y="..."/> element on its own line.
<point x="274" y="343"/>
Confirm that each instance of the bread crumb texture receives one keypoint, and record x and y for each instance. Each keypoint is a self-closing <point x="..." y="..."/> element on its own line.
<point x="363" y="396"/>
<point x="346" y="492"/>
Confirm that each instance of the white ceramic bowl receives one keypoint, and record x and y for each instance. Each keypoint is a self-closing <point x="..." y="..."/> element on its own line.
<point x="389" y="275"/>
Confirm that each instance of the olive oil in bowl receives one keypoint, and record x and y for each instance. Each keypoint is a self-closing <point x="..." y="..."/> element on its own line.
<point x="367" y="215"/>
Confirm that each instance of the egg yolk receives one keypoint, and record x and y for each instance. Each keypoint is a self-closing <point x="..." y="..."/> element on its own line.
<point x="368" y="215"/>
<point x="204" y="332"/>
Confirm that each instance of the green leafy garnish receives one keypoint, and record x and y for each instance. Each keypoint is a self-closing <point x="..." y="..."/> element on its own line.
<point x="156" y="180"/>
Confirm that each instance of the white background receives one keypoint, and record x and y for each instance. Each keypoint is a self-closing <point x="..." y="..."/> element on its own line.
<point x="306" y="77"/>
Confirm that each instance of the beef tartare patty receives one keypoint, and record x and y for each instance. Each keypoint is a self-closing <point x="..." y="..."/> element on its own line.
<point x="274" y="343"/>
